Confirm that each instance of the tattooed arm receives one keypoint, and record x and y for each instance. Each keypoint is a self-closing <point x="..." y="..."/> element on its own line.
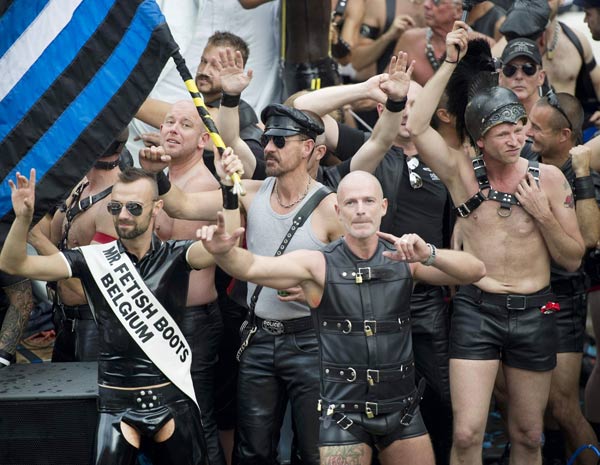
<point x="21" y="301"/>
<point x="588" y="213"/>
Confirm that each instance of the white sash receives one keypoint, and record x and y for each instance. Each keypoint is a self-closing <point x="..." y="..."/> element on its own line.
<point x="141" y="314"/>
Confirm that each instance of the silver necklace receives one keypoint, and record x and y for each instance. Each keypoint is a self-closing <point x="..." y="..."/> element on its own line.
<point x="552" y="47"/>
<point x="296" y="202"/>
<point x="435" y="64"/>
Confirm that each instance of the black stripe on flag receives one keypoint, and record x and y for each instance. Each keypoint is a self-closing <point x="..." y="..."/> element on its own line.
<point x="67" y="87"/>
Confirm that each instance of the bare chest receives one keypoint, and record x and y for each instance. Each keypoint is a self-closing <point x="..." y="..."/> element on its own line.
<point x="563" y="68"/>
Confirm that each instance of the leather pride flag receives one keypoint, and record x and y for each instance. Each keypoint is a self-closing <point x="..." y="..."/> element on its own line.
<point x="72" y="75"/>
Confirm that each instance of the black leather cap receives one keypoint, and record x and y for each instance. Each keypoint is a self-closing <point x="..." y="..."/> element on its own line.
<point x="281" y="120"/>
<point x="526" y="18"/>
<point x="521" y="48"/>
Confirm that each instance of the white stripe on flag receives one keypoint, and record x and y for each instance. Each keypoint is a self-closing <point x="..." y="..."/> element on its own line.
<point x="32" y="43"/>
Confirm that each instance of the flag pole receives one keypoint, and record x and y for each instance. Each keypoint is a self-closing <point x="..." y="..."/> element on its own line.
<point x="205" y="115"/>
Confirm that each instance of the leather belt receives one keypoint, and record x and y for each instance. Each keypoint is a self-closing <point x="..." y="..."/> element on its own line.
<point x="368" y="327"/>
<point x="366" y="273"/>
<point x="509" y="301"/>
<point x="77" y="312"/>
<point x="139" y="399"/>
<point x="367" y="375"/>
<point x="278" y="327"/>
<point x="568" y="286"/>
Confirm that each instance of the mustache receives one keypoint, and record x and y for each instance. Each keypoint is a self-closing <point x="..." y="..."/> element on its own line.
<point x="203" y="76"/>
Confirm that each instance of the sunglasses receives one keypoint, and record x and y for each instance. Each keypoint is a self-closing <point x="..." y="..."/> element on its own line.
<point x="529" y="69"/>
<point x="416" y="182"/>
<point x="279" y="141"/>
<point x="553" y="101"/>
<point x="135" y="208"/>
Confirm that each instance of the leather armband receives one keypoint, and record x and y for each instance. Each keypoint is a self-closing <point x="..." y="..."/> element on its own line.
<point x="230" y="101"/>
<point x="230" y="200"/>
<point x="340" y="49"/>
<point x="370" y="32"/>
<point x="395" y="106"/>
<point x="584" y="188"/>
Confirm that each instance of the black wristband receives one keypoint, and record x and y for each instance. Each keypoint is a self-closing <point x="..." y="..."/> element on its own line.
<point x="230" y="101"/>
<point x="163" y="183"/>
<point x="395" y="106"/>
<point x="230" y="200"/>
<point x="451" y="62"/>
<point x="584" y="188"/>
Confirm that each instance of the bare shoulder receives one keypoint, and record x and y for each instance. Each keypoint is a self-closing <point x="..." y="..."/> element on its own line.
<point x="375" y="14"/>
<point x="411" y="38"/>
<point x="552" y="180"/>
<point x="251" y="187"/>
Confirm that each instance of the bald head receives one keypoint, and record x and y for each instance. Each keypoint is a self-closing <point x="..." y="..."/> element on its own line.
<point x="359" y="180"/>
<point x="186" y="107"/>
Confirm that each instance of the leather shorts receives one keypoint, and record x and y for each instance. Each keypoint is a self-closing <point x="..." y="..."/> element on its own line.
<point x="522" y="338"/>
<point x="570" y="322"/>
<point x="383" y="429"/>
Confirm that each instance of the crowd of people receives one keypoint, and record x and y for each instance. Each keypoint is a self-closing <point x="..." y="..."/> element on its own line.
<point x="415" y="236"/>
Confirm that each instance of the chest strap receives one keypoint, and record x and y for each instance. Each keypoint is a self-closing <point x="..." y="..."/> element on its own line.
<point x="506" y="200"/>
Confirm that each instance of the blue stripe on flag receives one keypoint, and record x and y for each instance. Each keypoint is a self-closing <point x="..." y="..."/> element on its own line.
<point x="90" y="102"/>
<point x="49" y="66"/>
<point x="18" y="17"/>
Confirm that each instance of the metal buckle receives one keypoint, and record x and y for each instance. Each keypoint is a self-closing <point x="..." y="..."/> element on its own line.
<point x="367" y="271"/>
<point x="371" y="409"/>
<point x="370" y="327"/>
<point x="347" y="422"/>
<point x="408" y="414"/>
<point x="353" y="372"/>
<point x="346" y="331"/>
<point x="274" y="327"/>
<point x="515" y="306"/>
<point x="79" y="202"/>
<point x="372" y="376"/>
<point x="463" y="211"/>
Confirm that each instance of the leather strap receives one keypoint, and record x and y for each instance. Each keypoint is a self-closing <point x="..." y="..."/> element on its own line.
<point x="509" y="301"/>
<point x="368" y="327"/>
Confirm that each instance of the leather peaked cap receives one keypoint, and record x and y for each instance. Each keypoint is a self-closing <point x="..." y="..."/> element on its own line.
<point x="526" y="18"/>
<point x="281" y="120"/>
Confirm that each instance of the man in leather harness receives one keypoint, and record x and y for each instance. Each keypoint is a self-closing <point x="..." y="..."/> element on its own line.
<point x="81" y="220"/>
<point x="359" y="289"/>
<point x="138" y="402"/>
<point x="516" y="224"/>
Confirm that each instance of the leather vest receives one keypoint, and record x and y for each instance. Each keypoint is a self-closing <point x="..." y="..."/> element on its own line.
<point x="363" y="325"/>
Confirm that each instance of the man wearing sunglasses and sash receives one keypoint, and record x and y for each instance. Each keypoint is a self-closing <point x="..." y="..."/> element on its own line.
<point x="516" y="217"/>
<point x="137" y="288"/>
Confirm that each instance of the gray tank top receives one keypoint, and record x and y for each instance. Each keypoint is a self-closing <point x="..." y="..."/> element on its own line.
<point x="264" y="233"/>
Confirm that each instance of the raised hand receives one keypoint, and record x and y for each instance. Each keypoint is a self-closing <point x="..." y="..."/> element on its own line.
<point x="457" y="42"/>
<point x="396" y="82"/>
<point x="154" y="158"/>
<point x="216" y="240"/>
<point x="230" y="67"/>
<point x="23" y="195"/>
<point x="410" y="247"/>
<point x="227" y="164"/>
<point x="581" y="156"/>
<point x="401" y="24"/>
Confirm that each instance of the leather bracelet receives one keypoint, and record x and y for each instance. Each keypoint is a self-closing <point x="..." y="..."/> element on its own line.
<point x="432" y="255"/>
<point x="584" y="188"/>
<point x="451" y="62"/>
<point x="163" y="183"/>
<point x="340" y="49"/>
<point x="230" y="101"/>
<point x="395" y="106"/>
<point x="230" y="200"/>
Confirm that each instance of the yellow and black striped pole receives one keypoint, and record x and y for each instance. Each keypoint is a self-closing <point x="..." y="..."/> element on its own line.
<point x="205" y="115"/>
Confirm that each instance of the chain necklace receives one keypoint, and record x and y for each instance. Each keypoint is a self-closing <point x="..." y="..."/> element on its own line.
<point x="296" y="202"/>
<point x="552" y="47"/>
<point x="435" y="63"/>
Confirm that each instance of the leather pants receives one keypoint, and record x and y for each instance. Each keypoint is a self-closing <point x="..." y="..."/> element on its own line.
<point x="184" y="447"/>
<point x="273" y="370"/>
<point x="76" y="334"/>
<point x="202" y="326"/>
<point x="430" y="333"/>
